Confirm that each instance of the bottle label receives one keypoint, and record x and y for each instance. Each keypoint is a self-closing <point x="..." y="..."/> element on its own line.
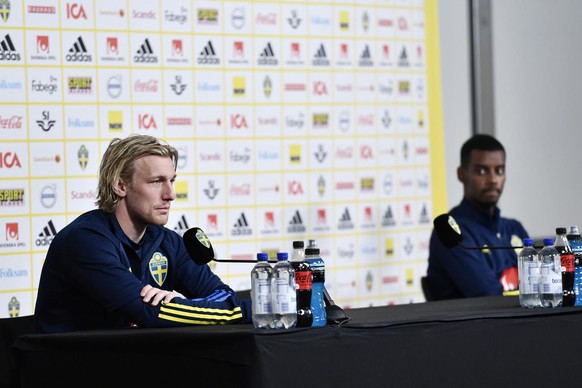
<point x="567" y="261"/>
<point x="285" y="299"/>
<point x="303" y="280"/>
<point x="263" y="297"/>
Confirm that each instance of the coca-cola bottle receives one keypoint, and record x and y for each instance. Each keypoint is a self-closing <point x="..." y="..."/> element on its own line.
<point x="303" y="283"/>
<point x="567" y="261"/>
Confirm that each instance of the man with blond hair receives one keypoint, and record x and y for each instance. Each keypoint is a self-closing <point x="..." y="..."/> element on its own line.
<point x="118" y="266"/>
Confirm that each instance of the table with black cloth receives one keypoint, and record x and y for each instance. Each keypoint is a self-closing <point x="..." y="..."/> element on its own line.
<point x="488" y="341"/>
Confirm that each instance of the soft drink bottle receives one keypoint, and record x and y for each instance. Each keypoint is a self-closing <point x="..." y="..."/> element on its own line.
<point x="317" y="301"/>
<point x="303" y="283"/>
<point x="567" y="261"/>
<point x="575" y="241"/>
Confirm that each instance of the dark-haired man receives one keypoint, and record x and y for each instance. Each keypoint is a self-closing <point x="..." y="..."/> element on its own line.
<point x="457" y="272"/>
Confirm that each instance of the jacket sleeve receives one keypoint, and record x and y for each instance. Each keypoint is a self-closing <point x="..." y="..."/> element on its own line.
<point x="104" y="273"/>
<point x="470" y="270"/>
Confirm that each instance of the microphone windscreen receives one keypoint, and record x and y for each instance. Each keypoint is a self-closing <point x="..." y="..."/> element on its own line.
<point x="198" y="246"/>
<point x="447" y="230"/>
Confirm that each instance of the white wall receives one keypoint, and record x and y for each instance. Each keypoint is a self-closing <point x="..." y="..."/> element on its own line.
<point x="538" y="105"/>
<point x="455" y="80"/>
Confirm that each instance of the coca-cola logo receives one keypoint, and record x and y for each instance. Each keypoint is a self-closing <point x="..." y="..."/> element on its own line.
<point x="12" y="122"/>
<point x="266" y="19"/>
<point x="150" y="86"/>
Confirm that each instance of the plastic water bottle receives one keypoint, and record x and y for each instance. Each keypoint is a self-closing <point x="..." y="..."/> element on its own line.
<point x="303" y="284"/>
<point x="528" y="267"/>
<point x="567" y="260"/>
<point x="576" y="244"/>
<point x="317" y="302"/>
<point x="550" y="275"/>
<point x="283" y="293"/>
<point x="262" y="312"/>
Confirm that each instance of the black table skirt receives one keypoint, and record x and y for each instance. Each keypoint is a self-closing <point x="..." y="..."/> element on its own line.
<point x="487" y="341"/>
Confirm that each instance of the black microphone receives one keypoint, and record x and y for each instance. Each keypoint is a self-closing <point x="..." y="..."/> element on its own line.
<point x="449" y="233"/>
<point x="200" y="249"/>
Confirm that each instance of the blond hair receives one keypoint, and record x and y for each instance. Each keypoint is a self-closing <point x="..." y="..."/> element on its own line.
<point x="118" y="164"/>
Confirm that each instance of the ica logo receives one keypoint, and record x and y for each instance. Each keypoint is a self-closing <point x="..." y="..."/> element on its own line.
<point x="147" y="122"/>
<point x="238" y="121"/>
<point x="9" y="160"/>
<point x="76" y="11"/>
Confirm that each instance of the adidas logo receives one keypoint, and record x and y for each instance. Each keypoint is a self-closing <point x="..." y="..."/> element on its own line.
<point x="208" y="55"/>
<point x="78" y="53"/>
<point x="424" y="219"/>
<point x="8" y="52"/>
<point x="345" y="221"/>
<point x="46" y="236"/>
<point x="145" y="53"/>
<point x="182" y="225"/>
<point x="403" y="59"/>
<point x="366" y="57"/>
<point x="267" y="57"/>
<point x="241" y="227"/>
<point x="296" y="224"/>
<point x="320" y="57"/>
<point x="388" y="218"/>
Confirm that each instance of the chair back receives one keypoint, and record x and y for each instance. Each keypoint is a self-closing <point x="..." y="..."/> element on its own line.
<point x="10" y="330"/>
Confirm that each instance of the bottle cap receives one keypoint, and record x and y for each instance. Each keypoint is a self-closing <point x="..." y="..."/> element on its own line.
<point x="282" y="256"/>
<point x="312" y="252"/>
<point x="262" y="256"/>
<point x="528" y="242"/>
<point x="548" y="241"/>
<point x="298" y="244"/>
<point x="561" y="230"/>
<point x="574" y="230"/>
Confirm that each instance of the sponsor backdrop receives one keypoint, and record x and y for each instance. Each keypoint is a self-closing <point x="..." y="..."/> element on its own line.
<point x="294" y="120"/>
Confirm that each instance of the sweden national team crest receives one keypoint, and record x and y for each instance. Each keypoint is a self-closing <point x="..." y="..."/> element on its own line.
<point x="202" y="238"/>
<point x="4" y="9"/>
<point x="159" y="268"/>
<point x="13" y="307"/>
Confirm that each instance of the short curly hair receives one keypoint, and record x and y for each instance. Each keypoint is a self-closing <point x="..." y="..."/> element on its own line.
<point x="118" y="164"/>
<point x="481" y="142"/>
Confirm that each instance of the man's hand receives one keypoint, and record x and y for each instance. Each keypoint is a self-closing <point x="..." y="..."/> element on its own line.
<point x="153" y="295"/>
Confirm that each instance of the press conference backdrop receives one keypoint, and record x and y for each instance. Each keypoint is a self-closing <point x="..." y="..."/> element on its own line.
<point x="294" y="120"/>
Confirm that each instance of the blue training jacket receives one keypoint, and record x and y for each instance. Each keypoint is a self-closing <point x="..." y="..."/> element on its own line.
<point x="460" y="273"/>
<point x="93" y="275"/>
